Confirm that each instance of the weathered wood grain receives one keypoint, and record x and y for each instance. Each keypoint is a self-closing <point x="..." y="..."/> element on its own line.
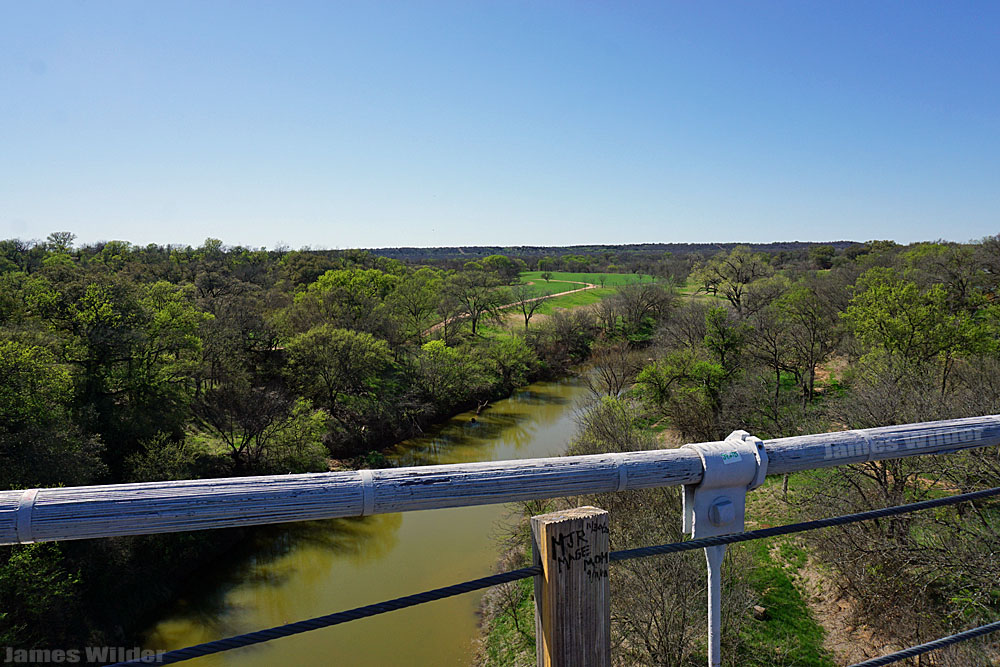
<point x="162" y="507"/>
<point x="572" y="595"/>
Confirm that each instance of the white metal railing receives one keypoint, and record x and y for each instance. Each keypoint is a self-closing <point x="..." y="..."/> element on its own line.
<point x="38" y="515"/>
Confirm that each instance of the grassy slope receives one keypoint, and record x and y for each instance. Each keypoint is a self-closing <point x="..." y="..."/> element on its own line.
<point x="507" y="644"/>
<point x="789" y="634"/>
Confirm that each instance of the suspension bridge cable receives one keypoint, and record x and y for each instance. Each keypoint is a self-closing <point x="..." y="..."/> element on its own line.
<point x="688" y="545"/>
<point x="930" y="646"/>
<point x="219" y="645"/>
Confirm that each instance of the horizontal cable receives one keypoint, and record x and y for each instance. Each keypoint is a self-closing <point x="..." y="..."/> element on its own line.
<point x="239" y="641"/>
<point x="219" y="645"/>
<point x="675" y="547"/>
<point x="930" y="646"/>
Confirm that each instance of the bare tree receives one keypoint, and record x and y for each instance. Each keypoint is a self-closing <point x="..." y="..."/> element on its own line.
<point x="728" y="274"/>
<point x="526" y="301"/>
<point x="614" y="368"/>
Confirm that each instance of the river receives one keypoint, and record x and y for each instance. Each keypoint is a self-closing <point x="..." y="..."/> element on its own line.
<point x="298" y="571"/>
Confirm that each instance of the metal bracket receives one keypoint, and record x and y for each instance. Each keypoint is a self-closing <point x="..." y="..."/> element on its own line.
<point x="717" y="505"/>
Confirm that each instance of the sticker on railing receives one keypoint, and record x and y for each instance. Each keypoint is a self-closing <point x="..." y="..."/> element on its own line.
<point x="731" y="457"/>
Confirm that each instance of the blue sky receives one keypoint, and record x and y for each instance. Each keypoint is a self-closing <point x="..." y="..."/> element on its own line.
<point x="378" y="123"/>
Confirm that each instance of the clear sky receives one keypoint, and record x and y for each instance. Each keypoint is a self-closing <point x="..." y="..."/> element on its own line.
<point x="480" y="122"/>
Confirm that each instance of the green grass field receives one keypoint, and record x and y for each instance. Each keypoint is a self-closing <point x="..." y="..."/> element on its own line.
<point x="584" y="298"/>
<point x="561" y="281"/>
<point x="611" y="279"/>
<point x="542" y="288"/>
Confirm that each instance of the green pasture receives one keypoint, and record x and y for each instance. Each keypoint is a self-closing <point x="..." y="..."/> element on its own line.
<point x="542" y="288"/>
<point x="584" y="298"/>
<point x="610" y="279"/>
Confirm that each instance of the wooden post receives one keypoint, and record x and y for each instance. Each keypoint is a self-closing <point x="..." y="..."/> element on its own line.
<point x="572" y="597"/>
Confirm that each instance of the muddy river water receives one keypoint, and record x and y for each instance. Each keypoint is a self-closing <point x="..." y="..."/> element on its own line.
<point x="299" y="571"/>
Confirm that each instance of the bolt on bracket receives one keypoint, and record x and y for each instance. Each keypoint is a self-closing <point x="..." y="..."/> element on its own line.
<point x="717" y="504"/>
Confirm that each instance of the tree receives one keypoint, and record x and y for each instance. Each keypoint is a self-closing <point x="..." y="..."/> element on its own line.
<point x="893" y="315"/>
<point x="726" y="338"/>
<point x="770" y="344"/>
<point x="329" y="363"/>
<point x="813" y="329"/>
<point x="688" y="389"/>
<point x="475" y="291"/>
<point x="958" y="268"/>
<point x="443" y="376"/>
<point x="41" y="595"/>
<point x="641" y="306"/>
<point x="511" y="360"/>
<point x="613" y="369"/>
<point x="134" y="348"/>
<point x="546" y="275"/>
<point x="61" y="242"/>
<point x="263" y="426"/>
<point x="728" y="274"/>
<point x="415" y="300"/>
<point x="506" y="269"/>
<point x="348" y="298"/>
<point x="526" y="300"/>
<point x="901" y="323"/>
<point x="822" y="256"/>
<point x="40" y="445"/>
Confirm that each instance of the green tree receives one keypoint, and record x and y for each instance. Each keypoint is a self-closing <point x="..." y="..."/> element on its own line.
<point x="511" y="361"/>
<point x="908" y="326"/>
<point x="40" y="445"/>
<point x="955" y="267"/>
<point x="348" y="298"/>
<point x="444" y="376"/>
<point x="134" y="348"/>
<point x="726" y="338"/>
<point x="415" y="300"/>
<point x="61" y="242"/>
<point x="813" y="329"/>
<point x="506" y="269"/>
<point x="330" y="364"/>
<point x="822" y="256"/>
<point x="41" y="596"/>
<point x="891" y="314"/>
<point x="688" y="390"/>
<point x="263" y="427"/>
<point x="476" y="293"/>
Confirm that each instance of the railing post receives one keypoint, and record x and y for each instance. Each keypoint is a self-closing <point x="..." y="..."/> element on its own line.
<point x="572" y="595"/>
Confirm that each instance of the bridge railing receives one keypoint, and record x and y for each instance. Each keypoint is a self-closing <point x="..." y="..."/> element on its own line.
<point x="83" y="512"/>
<point x="36" y="515"/>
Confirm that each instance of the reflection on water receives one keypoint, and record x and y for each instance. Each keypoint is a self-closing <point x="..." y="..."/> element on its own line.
<point x="297" y="571"/>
